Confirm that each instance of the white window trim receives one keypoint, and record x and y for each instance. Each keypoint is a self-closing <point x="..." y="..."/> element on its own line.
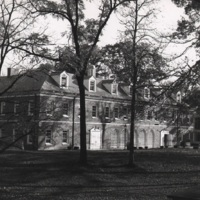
<point x="65" y="75"/>
<point x="67" y="131"/>
<point x="48" y="143"/>
<point x="117" y="112"/>
<point x="95" y="112"/>
<point x="66" y="115"/>
<point x="112" y="86"/>
<point x="178" y="97"/>
<point x="108" y="112"/>
<point x="92" y="80"/>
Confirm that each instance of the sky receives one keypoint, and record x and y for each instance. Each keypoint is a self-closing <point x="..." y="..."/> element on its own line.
<point x="167" y="17"/>
<point x="166" y="21"/>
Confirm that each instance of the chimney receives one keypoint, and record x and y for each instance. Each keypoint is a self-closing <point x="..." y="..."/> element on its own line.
<point x="92" y="71"/>
<point x="8" y="72"/>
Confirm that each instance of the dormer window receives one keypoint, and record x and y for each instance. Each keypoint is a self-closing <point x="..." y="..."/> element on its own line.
<point x="92" y="85"/>
<point x="114" y="88"/>
<point x="178" y="97"/>
<point x="146" y="93"/>
<point x="64" y="80"/>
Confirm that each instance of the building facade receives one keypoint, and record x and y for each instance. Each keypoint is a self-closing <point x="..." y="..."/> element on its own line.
<point x="42" y="111"/>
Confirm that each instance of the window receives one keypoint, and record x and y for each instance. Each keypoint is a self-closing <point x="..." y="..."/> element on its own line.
<point x="16" y="108"/>
<point x="114" y="88"/>
<point x="178" y="97"/>
<point x="64" y="80"/>
<point x="48" y="137"/>
<point x="146" y="93"/>
<point x="50" y="108"/>
<point x="130" y="90"/>
<point x="125" y="113"/>
<point x="116" y="113"/>
<point x="14" y="134"/>
<point x="30" y="108"/>
<point x="29" y="139"/>
<point x="92" y="86"/>
<point x="79" y="112"/>
<point x="107" y="112"/>
<point x="3" y="108"/>
<point x="65" y="109"/>
<point x="149" y="114"/>
<point x="65" y="137"/>
<point x="94" y="111"/>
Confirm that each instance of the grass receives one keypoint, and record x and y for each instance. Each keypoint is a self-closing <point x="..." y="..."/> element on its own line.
<point x="56" y="175"/>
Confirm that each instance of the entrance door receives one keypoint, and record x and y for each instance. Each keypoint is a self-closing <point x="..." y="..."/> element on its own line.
<point x="95" y="139"/>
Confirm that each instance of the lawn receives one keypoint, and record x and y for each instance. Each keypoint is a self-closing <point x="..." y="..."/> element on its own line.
<point x="56" y="175"/>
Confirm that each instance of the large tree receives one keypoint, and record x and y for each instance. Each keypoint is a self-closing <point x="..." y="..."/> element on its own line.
<point x="188" y="32"/>
<point x="84" y="34"/>
<point x="137" y="19"/>
<point x="117" y="58"/>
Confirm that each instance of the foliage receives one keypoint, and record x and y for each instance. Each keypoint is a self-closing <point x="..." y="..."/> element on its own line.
<point x="151" y="64"/>
<point x="188" y="28"/>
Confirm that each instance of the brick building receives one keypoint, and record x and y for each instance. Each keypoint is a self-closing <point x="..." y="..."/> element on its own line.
<point x="41" y="111"/>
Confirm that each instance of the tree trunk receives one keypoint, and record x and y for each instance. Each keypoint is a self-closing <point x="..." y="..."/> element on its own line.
<point x="132" y="128"/>
<point x="83" y="139"/>
<point x="134" y="73"/>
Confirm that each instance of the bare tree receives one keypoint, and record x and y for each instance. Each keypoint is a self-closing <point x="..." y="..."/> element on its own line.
<point x="137" y="20"/>
<point x="85" y="34"/>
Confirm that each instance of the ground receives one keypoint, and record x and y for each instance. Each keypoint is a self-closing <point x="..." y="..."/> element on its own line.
<point x="56" y="175"/>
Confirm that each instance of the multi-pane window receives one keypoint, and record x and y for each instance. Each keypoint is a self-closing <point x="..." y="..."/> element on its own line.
<point x="125" y="113"/>
<point x="94" y="111"/>
<point x="65" y="138"/>
<point x="16" y="108"/>
<point x="2" y="108"/>
<point x="178" y="97"/>
<point x="116" y="112"/>
<point x="48" y="137"/>
<point x="92" y="86"/>
<point x="107" y="112"/>
<point x="65" y="109"/>
<point x="50" y="108"/>
<point x="30" y="108"/>
<point x="64" y="81"/>
<point x="114" y="88"/>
